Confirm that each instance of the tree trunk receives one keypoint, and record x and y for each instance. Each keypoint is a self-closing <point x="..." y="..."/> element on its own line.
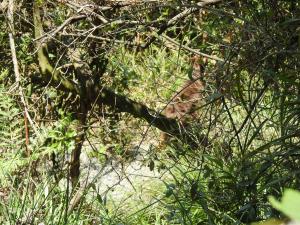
<point x="79" y="139"/>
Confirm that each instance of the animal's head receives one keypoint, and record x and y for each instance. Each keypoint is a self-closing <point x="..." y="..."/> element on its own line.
<point x="198" y="66"/>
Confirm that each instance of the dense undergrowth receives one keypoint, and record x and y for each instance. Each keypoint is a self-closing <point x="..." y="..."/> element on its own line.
<point x="249" y="113"/>
<point x="210" y="184"/>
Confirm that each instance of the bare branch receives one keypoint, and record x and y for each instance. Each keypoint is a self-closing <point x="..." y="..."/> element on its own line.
<point x="178" y="17"/>
<point x="62" y="26"/>
<point x="50" y="74"/>
<point x="98" y="93"/>
<point x="197" y="52"/>
<point x="15" y="63"/>
<point x="102" y="39"/>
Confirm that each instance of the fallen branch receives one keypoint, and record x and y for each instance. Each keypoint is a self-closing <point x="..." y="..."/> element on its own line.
<point x="95" y="93"/>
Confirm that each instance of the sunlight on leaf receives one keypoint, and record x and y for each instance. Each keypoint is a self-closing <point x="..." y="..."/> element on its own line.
<point x="289" y="204"/>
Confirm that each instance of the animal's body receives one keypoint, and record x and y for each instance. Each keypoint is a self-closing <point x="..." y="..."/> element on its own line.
<point x="187" y="98"/>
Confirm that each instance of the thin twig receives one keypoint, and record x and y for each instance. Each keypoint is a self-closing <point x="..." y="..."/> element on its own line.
<point x="101" y="38"/>
<point x="64" y="24"/>
<point x="178" y="17"/>
<point x="251" y="109"/>
<point x="15" y="64"/>
<point x="195" y="51"/>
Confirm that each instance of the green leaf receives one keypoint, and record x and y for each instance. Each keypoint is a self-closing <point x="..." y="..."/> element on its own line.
<point x="289" y="205"/>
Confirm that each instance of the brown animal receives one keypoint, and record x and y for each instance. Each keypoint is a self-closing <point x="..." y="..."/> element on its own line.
<point x="183" y="104"/>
